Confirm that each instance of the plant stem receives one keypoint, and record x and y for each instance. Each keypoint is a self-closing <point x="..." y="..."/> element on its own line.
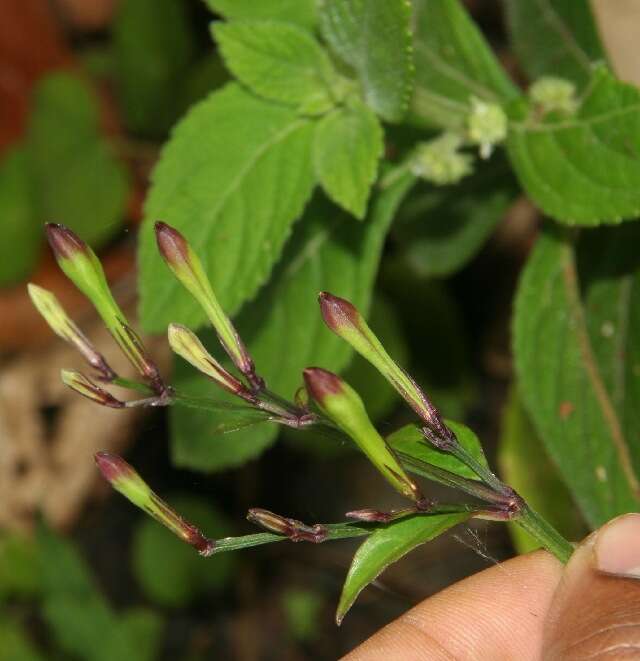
<point x="545" y="533"/>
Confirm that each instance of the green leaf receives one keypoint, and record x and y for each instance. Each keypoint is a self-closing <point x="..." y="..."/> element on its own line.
<point x="76" y="177"/>
<point x="302" y="611"/>
<point x="15" y="644"/>
<point x="169" y="571"/>
<point x="387" y="545"/>
<point x="19" y="566"/>
<point x="453" y="64"/>
<point x="584" y="169"/>
<point x="283" y="328"/>
<point x="153" y="45"/>
<point x="347" y="146"/>
<point x="441" y="228"/>
<point x="525" y="465"/>
<point x="144" y="628"/>
<point x="21" y="227"/>
<point x="374" y="39"/>
<point x="577" y="357"/>
<point x="409" y="440"/>
<point x="555" y="37"/>
<point x="280" y="62"/>
<point x="301" y="12"/>
<point x="233" y="178"/>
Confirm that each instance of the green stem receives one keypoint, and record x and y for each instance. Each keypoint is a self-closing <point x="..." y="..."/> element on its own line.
<point x="545" y="533"/>
<point x="460" y="453"/>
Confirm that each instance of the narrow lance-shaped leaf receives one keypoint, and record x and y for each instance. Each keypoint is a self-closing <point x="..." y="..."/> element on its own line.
<point x="343" y="405"/>
<point x="83" y="268"/>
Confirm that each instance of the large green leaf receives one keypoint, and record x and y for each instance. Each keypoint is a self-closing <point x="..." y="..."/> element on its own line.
<point x="233" y="178"/>
<point x="302" y="12"/>
<point x="279" y="61"/>
<point x="153" y="45"/>
<point x="374" y="38"/>
<point x="387" y="545"/>
<point x="409" y="440"/>
<point x="577" y="326"/>
<point x="21" y="227"/>
<point x="453" y="64"/>
<point x="347" y="147"/>
<point x="584" y="169"/>
<point x="554" y="37"/>
<point x="441" y="228"/>
<point x="525" y="465"/>
<point x="15" y="645"/>
<point x="283" y="328"/>
<point x="76" y="178"/>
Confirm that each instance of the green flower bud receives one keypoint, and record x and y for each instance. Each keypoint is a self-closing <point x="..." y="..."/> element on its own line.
<point x="295" y="530"/>
<point x="49" y="307"/>
<point x="83" y="268"/>
<point x="124" y="479"/>
<point x="550" y="93"/>
<point x="486" y="126"/>
<point x="85" y="387"/>
<point x="187" y="267"/>
<point x="187" y="345"/>
<point x="343" y="405"/>
<point x="439" y="160"/>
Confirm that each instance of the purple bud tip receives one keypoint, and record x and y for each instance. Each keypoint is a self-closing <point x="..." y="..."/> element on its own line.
<point x="321" y="383"/>
<point x="172" y="245"/>
<point x="337" y="312"/>
<point x="112" y="466"/>
<point x="64" y="243"/>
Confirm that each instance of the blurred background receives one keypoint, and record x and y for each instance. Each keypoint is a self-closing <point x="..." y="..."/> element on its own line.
<point x="89" y="90"/>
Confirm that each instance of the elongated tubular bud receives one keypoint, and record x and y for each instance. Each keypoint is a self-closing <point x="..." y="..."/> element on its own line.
<point x="54" y="314"/>
<point x="187" y="267"/>
<point x="187" y="345"/>
<point x="124" y="479"/>
<point x="295" y="530"/>
<point x="83" y="268"/>
<point x="343" y="405"/>
<point x="85" y="387"/>
<point x="345" y="321"/>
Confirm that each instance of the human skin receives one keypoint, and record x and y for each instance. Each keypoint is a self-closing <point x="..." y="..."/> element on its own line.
<point x="530" y="608"/>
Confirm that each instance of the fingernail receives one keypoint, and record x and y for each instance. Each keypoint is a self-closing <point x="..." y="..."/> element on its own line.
<point x="617" y="547"/>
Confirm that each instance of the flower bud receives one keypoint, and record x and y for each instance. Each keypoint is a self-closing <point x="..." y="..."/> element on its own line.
<point x="345" y="321"/>
<point x="486" y="126"/>
<point x="85" y="387"/>
<point x="49" y="307"/>
<point x="550" y="93"/>
<point x="187" y="267"/>
<point x="187" y="345"/>
<point x="124" y="479"/>
<point x="439" y="160"/>
<point x="295" y="530"/>
<point x="343" y="405"/>
<point x="83" y="268"/>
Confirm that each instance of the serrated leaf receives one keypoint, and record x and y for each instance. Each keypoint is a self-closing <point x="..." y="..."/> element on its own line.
<point x="280" y="62"/>
<point x="233" y="178"/>
<point x="347" y="146"/>
<point x="584" y="169"/>
<point x="76" y="177"/>
<point x="284" y="329"/>
<point x="525" y="465"/>
<point x="300" y="12"/>
<point x="453" y="64"/>
<point x="410" y="441"/>
<point x="577" y="357"/>
<point x="554" y="37"/>
<point x="441" y="228"/>
<point x="374" y="38"/>
<point x="153" y="45"/>
<point x="387" y="545"/>
<point x="21" y="227"/>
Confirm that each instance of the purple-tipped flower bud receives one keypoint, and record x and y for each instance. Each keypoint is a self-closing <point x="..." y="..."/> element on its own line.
<point x="60" y="323"/>
<point x="187" y="267"/>
<point x="345" y="321"/>
<point x="85" y="387"/>
<point x="340" y="402"/>
<point x="187" y="345"/>
<point x="83" y="268"/>
<point x="124" y="479"/>
<point x="295" y="530"/>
